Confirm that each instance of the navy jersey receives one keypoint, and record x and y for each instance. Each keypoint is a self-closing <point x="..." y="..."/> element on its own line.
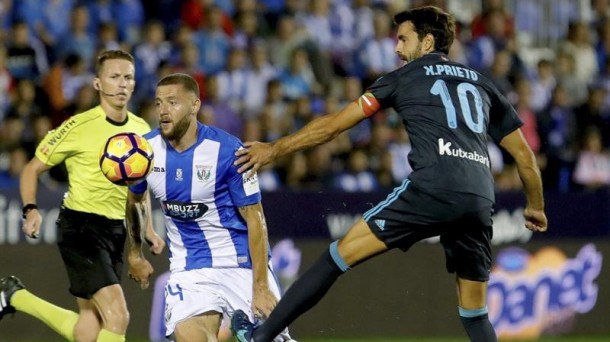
<point x="448" y="110"/>
<point x="200" y="192"/>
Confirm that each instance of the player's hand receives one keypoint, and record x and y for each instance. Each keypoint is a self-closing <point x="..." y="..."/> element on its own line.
<point x="140" y="269"/>
<point x="254" y="156"/>
<point x="535" y="220"/>
<point x="31" y="224"/>
<point x="263" y="303"/>
<point x="155" y="242"/>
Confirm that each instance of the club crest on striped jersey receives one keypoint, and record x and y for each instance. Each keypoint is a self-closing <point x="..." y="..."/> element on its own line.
<point x="204" y="172"/>
<point x="179" y="175"/>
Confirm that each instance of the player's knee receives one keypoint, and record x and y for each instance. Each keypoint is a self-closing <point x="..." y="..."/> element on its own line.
<point x="186" y="337"/>
<point x="202" y="333"/>
<point x="472" y="294"/>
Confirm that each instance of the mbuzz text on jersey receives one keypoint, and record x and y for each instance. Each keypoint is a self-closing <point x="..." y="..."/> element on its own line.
<point x="450" y="70"/>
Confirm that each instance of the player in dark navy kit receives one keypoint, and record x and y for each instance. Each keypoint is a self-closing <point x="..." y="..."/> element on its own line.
<point x="449" y="112"/>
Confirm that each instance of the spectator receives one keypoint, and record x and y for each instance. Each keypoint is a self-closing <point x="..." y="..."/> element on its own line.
<point x="151" y="51"/>
<point x="217" y="112"/>
<point x="483" y="48"/>
<point x="78" y="40"/>
<point x="376" y="56"/>
<point x="499" y="74"/>
<point x="6" y="83"/>
<point x="213" y="42"/>
<point x="557" y="126"/>
<point x="527" y="114"/>
<point x="592" y="169"/>
<point x="108" y="38"/>
<point x="356" y="23"/>
<point x="54" y="22"/>
<point x="188" y="63"/>
<point x="260" y="73"/>
<point x="6" y="18"/>
<point x="28" y="12"/>
<point x="9" y="178"/>
<point x="246" y="33"/>
<point x="233" y="80"/>
<point x="12" y="129"/>
<point x="479" y="26"/>
<point x="565" y="73"/>
<point x="194" y="14"/>
<point x="288" y="37"/>
<point x="578" y="44"/>
<point x="357" y="177"/>
<point x="25" y="56"/>
<point x="86" y="98"/>
<point x="129" y="18"/>
<point x="400" y="148"/>
<point x="594" y="113"/>
<point x="542" y="85"/>
<point x="298" y="79"/>
<point x="63" y="82"/>
<point x="41" y="125"/>
<point x="318" y="174"/>
<point x="274" y="117"/>
<point x="24" y="105"/>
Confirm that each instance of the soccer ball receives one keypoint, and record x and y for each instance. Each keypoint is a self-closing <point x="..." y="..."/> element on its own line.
<point x="126" y="158"/>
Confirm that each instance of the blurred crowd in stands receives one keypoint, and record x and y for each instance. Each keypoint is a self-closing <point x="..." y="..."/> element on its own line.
<point x="267" y="67"/>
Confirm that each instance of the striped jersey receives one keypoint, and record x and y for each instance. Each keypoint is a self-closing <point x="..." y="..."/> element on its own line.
<point x="200" y="191"/>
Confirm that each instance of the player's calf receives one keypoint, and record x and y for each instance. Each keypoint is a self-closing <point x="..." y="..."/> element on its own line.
<point x="477" y="325"/>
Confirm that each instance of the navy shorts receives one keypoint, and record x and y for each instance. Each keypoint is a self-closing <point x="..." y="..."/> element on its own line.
<point x="462" y="221"/>
<point x="91" y="247"/>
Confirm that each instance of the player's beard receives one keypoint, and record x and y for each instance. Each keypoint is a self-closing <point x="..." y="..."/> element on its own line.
<point x="415" y="54"/>
<point x="179" y="129"/>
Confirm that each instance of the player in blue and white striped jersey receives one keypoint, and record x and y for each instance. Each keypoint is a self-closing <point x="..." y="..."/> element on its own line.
<point x="219" y="251"/>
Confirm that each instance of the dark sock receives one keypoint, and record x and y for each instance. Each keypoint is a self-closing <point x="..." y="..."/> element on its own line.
<point x="300" y="297"/>
<point x="479" y="328"/>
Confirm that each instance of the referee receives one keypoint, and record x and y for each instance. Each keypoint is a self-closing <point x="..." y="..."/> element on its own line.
<point x="90" y="224"/>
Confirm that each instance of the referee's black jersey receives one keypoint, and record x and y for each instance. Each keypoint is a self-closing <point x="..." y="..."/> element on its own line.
<point x="448" y="110"/>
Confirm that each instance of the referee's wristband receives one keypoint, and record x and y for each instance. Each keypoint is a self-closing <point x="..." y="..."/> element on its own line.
<point x="26" y="208"/>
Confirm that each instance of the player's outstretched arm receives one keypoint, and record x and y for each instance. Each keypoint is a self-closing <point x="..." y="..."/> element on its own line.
<point x="516" y="145"/>
<point x="263" y="300"/>
<point x="320" y="130"/>
<point x="136" y="217"/>
<point x="28" y="185"/>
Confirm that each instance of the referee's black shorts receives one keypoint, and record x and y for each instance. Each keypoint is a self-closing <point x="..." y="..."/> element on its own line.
<point x="463" y="221"/>
<point x="91" y="247"/>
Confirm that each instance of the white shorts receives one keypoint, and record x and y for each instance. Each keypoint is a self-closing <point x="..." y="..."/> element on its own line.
<point x="223" y="290"/>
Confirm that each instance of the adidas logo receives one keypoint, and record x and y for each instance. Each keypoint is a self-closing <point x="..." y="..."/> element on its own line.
<point x="380" y="223"/>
